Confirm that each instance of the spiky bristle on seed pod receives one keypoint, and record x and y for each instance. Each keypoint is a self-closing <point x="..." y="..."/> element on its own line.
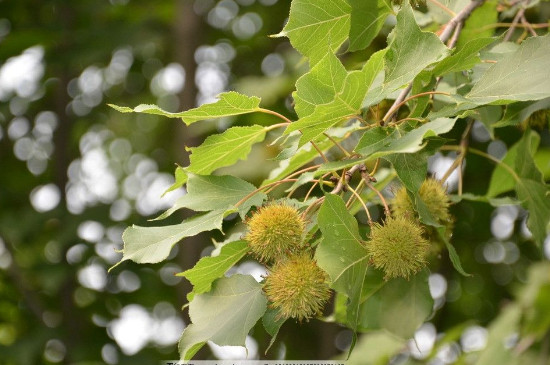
<point x="398" y="247"/>
<point x="434" y="196"/>
<point x="297" y="287"/>
<point x="275" y="232"/>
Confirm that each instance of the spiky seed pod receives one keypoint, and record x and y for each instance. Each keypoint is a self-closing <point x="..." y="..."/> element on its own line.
<point x="397" y="247"/>
<point x="538" y="120"/>
<point x="432" y="193"/>
<point x="297" y="287"/>
<point x="275" y="232"/>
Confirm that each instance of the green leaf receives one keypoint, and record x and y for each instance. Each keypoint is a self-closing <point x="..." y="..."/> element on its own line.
<point x="367" y="18"/>
<point x="532" y="191"/>
<point x="410" y="142"/>
<point x="224" y="149"/>
<point x="229" y="104"/>
<point x="412" y="168"/>
<point x="224" y="315"/>
<point x="342" y="254"/>
<point x="501" y="179"/>
<point x="376" y="348"/>
<point x="149" y="245"/>
<point x="272" y="324"/>
<point x="504" y="327"/>
<point x="410" y="50"/>
<point x="211" y="268"/>
<point x="209" y="192"/>
<point x="465" y="57"/>
<point x="375" y="145"/>
<point x="346" y="103"/>
<point x="495" y="202"/>
<point x="180" y="179"/>
<point x="453" y="255"/>
<point x="521" y="75"/>
<point x="518" y="112"/>
<point x="319" y="85"/>
<point x="314" y="26"/>
<point x="474" y="26"/>
<point x="400" y="306"/>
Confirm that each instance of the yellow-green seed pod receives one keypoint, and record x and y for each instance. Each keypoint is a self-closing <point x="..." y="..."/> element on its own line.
<point x="297" y="287"/>
<point x="275" y="232"/>
<point x="398" y="247"/>
<point x="434" y="196"/>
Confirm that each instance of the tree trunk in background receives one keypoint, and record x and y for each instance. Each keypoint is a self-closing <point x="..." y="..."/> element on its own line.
<point x="187" y="32"/>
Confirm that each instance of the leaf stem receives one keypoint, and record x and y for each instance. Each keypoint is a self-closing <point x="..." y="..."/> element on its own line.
<point x="308" y="209"/>
<point x="362" y="203"/>
<point x="278" y="115"/>
<point x="487" y="156"/>
<point x="344" y="151"/>
<point x="396" y="107"/>
<point x="368" y="178"/>
<point x="275" y="126"/>
<point x="275" y="183"/>
<point x="503" y="25"/>
<point x="458" y="162"/>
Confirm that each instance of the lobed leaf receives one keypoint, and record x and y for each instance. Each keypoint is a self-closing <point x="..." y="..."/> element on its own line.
<point x="209" y="192"/>
<point x="319" y="85"/>
<point x="410" y="50"/>
<point x="532" y="191"/>
<point x="180" y="177"/>
<point x="315" y="26"/>
<point x="224" y="315"/>
<point x="399" y="306"/>
<point x="229" y="104"/>
<point x="501" y="179"/>
<point x="346" y="102"/>
<point x="367" y="18"/>
<point x="519" y="76"/>
<point x="342" y="254"/>
<point x="465" y="58"/>
<point x="149" y="245"/>
<point x="208" y="269"/>
<point x="224" y="149"/>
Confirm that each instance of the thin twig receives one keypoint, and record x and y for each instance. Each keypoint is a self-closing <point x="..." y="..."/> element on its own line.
<point x="505" y="25"/>
<point x="456" y="34"/>
<point x="344" y="151"/>
<point x="358" y="189"/>
<point x="315" y="203"/>
<point x="362" y="203"/>
<point x="487" y="156"/>
<point x="458" y="162"/>
<point x="516" y="20"/>
<point x="395" y="107"/>
<point x="528" y="26"/>
<point x="368" y="178"/>
<point x="275" y="183"/>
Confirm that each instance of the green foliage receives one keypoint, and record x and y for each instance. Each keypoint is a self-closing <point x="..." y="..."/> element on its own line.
<point x="518" y="76"/>
<point x="335" y="152"/>
<point x="234" y="304"/>
<point x="229" y="104"/>
<point x="342" y="254"/>
<point x="210" y="268"/>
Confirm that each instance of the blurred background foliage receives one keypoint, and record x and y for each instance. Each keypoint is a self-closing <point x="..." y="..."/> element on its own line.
<point x="74" y="173"/>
